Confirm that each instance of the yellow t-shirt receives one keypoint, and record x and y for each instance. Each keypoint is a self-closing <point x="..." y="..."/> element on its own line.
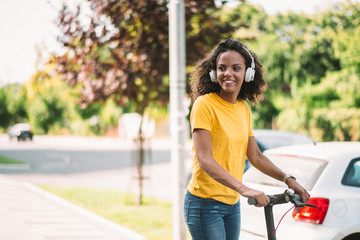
<point x="230" y="128"/>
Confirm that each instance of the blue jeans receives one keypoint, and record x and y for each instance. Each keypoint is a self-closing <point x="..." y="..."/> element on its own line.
<point x="208" y="219"/>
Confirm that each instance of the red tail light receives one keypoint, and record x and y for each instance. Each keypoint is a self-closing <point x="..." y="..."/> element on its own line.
<point x="310" y="214"/>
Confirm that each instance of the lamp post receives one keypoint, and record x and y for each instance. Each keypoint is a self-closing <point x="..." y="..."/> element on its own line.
<point x="177" y="113"/>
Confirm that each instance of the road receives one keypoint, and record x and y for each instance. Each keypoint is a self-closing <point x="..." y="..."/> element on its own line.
<point x="68" y="155"/>
<point x="90" y="162"/>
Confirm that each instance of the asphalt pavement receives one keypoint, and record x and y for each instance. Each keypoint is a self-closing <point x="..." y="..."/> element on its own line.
<point x="28" y="212"/>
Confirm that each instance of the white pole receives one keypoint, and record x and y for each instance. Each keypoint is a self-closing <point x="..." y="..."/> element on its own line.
<point x="177" y="113"/>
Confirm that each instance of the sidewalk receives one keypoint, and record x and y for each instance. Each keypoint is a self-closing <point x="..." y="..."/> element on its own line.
<point x="30" y="213"/>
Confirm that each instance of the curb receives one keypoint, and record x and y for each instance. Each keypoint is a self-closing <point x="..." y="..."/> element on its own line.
<point x="21" y="166"/>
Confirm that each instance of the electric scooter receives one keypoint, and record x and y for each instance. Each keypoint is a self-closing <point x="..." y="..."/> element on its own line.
<point x="288" y="196"/>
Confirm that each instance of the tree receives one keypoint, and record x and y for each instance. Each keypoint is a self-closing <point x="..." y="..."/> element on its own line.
<point x="5" y="116"/>
<point x="121" y="51"/>
<point x="45" y="105"/>
<point x="12" y="105"/>
<point x="323" y="100"/>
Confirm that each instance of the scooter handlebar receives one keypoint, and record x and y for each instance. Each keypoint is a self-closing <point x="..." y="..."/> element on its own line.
<point x="287" y="196"/>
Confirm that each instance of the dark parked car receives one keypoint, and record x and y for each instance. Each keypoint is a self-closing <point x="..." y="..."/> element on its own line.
<point x="20" y="131"/>
<point x="268" y="139"/>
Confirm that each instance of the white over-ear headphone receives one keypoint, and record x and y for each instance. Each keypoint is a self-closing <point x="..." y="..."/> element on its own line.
<point x="249" y="74"/>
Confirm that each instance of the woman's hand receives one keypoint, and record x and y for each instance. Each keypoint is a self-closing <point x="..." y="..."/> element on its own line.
<point x="292" y="183"/>
<point x="260" y="197"/>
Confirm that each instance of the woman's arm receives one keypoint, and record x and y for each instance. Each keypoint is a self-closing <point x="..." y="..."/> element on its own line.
<point x="261" y="162"/>
<point x="203" y="149"/>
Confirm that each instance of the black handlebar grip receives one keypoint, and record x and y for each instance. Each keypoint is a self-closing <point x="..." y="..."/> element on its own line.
<point x="252" y="201"/>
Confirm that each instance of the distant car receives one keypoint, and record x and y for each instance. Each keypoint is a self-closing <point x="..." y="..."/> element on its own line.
<point x="20" y="131"/>
<point x="267" y="139"/>
<point x="331" y="173"/>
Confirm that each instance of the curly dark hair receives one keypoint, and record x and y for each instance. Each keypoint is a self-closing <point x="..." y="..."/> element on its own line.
<point x="200" y="78"/>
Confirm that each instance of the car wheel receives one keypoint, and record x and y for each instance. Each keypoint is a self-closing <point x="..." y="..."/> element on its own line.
<point x="354" y="236"/>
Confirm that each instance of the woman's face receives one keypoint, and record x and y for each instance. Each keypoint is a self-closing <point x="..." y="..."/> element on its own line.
<point x="230" y="72"/>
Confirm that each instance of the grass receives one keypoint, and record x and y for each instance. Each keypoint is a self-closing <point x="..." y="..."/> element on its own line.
<point x="153" y="219"/>
<point x="6" y="160"/>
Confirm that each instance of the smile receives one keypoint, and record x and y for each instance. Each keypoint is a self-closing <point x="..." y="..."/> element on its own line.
<point x="229" y="81"/>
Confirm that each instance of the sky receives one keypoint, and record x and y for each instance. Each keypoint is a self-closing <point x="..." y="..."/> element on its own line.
<point x="25" y="24"/>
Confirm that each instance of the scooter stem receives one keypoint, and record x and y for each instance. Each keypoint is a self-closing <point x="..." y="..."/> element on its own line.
<point x="270" y="222"/>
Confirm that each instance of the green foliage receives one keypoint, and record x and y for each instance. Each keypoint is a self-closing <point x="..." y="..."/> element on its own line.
<point x="6" y="160"/>
<point x="53" y="108"/>
<point x="335" y="103"/>
<point x="348" y="49"/>
<point x="264" y="114"/>
<point x="110" y="113"/>
<point x="12" y="105"/>
<point x="340" y="124"/>
<point x="89" y="111"/>
<point x="5" y="116"/>
<point x="47" y="102"/>
<point x="312" y="71"/>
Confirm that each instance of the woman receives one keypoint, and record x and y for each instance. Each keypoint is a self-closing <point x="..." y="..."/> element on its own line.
<point x="222" y="137"/>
